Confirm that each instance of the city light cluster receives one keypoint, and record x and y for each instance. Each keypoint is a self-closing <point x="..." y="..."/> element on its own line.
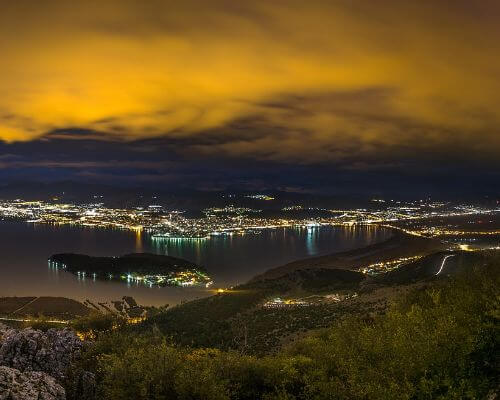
<point x="279" y="303"/>
<point x="186" y="278"/>
<point x="386" y="266"/>
<point x="416" y="218"/>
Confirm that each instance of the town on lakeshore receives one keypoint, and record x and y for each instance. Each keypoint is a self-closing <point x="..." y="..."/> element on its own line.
<point x="420" y="228"/>
<point x="422" y="218"/>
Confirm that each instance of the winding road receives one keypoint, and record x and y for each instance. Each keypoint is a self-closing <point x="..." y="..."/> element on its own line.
<point x="444" y="261"/>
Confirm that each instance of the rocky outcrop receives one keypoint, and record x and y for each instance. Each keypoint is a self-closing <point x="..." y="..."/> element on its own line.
<point x="39" y="362"/>
<point x="51" y="352"/>
<point x="3" y="328"/>
<point x="16" y="385"/>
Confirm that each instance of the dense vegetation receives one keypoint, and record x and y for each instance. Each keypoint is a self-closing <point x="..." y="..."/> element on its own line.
<point x="439" y="342"/>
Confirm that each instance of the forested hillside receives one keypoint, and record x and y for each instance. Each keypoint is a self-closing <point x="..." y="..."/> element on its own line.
<point x="435" y="342"/>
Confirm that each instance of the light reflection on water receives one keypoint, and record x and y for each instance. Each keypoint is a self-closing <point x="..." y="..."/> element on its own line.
<point x="229" y="259"/>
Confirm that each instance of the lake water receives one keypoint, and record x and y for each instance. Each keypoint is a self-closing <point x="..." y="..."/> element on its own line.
<point x="25" y="248"/>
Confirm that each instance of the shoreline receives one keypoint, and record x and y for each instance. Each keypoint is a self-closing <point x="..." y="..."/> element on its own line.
<point x="315" y="262"/>
<point x="230" y="264"/>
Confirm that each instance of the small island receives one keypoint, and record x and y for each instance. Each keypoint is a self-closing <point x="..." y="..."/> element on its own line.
<point x="150" y="269"/>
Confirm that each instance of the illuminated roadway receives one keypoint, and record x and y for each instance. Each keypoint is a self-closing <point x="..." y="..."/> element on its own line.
<point x="53" y="321"/>
<point x="444" y="261"/>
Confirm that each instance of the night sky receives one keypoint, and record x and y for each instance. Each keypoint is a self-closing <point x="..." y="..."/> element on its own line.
<point x="334" y="96"/>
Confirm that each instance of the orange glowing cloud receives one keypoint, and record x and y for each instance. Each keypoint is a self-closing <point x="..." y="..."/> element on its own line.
<point x="307" y="81"/>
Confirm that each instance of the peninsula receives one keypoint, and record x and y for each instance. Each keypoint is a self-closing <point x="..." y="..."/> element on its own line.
<point x="150" y="269"/>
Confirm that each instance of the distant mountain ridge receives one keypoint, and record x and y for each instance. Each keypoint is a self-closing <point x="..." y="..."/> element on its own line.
<point x="174" y="197"/>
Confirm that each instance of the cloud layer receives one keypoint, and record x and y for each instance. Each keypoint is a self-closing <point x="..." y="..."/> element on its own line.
<point x="336" y="81"/>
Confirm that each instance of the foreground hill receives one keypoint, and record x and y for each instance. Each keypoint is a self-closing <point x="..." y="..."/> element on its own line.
<point x="263" y="315"/>
<point x="425" y="330"/>
<point x="437" y="341"/>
